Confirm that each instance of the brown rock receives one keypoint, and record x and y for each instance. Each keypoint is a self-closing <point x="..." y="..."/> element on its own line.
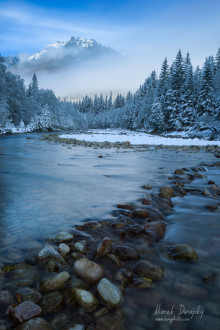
<point x="181" y="252"/>
<point x="158" y="227"/>
<point x="141" y="213"/>
<point x="125" y="252"/>
<point x="25" y="311"/>
<point x="135" y="230"/>
<point x="125" y="206"/>
<point x="179" y="172"/>
<point x="166" y="192"/>
<point x="104" y="247"/>
<point x="147" y="269"/>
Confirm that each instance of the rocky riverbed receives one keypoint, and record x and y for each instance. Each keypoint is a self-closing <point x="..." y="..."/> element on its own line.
<point x="121" y="272"/>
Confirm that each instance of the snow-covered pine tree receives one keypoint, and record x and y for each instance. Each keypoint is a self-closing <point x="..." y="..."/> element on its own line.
<point x="206" y="101"/>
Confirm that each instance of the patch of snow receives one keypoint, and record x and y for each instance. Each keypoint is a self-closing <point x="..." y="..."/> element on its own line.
<point x="136" y="138"/>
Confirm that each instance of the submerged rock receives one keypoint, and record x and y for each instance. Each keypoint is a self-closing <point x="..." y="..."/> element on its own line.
<point x="190" y="291"/>
<point x="181" y="252"/>
<point x="48" y="252"/>
<point x="126" y="252"/>
<point x="147" y="269"/>
<point x="88" y="270"/>
<point x="37" y="323"/>
<point x="52" y="302"/>
<point x="25" y="311"/>
<point x="55" y="282"/>
<point x="142" y="213"/>
<point x="63" y="237"/>
<point x="104" y="247"/>
<point x="80" y="246"/>
<point x="30" y="294"/>
<point x="166" y="192"/>
<point x="64" y="249"/>
<point x="109" y="293"/>
<point x="6" y="299"/>
<point x="85" y="299"/>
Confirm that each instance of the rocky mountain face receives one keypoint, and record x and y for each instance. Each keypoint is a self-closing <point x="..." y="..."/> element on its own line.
<point x="60" y="55"/>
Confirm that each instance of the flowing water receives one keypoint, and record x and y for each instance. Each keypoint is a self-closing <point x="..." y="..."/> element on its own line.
<point x="46" y="188"/>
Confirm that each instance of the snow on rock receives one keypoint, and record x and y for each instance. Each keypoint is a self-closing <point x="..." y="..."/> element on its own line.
<point x="136" y="138"/>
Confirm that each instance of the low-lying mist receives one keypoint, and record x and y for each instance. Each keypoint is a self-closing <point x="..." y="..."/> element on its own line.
<point x="96" y="76"/>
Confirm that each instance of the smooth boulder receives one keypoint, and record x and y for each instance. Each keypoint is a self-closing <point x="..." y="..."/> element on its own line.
<point x="88" y="270"/>
<point x="56" y="282"/>
<point x="147" y="269"/>
<point x="109" y="293"/>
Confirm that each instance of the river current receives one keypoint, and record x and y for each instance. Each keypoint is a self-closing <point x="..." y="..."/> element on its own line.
<point x="46" y="188"/>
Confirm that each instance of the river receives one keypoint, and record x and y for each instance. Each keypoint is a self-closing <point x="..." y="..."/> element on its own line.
<point x="47" y="188"/>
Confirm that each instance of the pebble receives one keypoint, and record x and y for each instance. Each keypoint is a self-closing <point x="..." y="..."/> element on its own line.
<point x="25" y="311"/>
<point x="166" y="192"/>
<point x="55" y="282"/>
<point x="104" y="247"/>
<point x="64" y="249"/>
<point x="48" y="252"/>
<point x="63" y="237"/>
<point x="88" y="270"/>
<point x="126" y="252"/>
<point x="141" y="213"/>
<point x="37" y="323"/>
<point x="30" y="294"/>
<point x="80" y="246"/>
<point x="181" y="252"/>
<point x="85" y="299"/>
<point x="6" y="299"/>
<point x="109" y="293"/>
<point x="52" y="302"/>
<point x="147" y="269"/>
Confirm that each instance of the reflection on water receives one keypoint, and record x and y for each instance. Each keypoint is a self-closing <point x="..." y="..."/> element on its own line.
<point x="46" y="188"/>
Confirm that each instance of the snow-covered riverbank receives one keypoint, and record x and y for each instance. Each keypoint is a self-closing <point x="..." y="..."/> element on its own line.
<point x="136" y="138"/>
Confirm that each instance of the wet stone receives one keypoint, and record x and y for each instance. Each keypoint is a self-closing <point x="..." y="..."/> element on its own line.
<point x="111" y="321"/>
<point x="147" y="269"/>
<point x="52" y="302"/>
<point x="88" y="270"/>
<point x="80" y="246"/>
<point x="179" y="172"/>
<point x="104" y="247"/>
<point x="76" y="256"/>
<point x="37" y="323"/>
<point x="142" y="283"/>
<point x="125" y="207"/>
<point x="125" y="252"/>
<point x="6" y="299"/>
<point x="181" y="252"/>
<point x="109" y="293"/>
<point x="114" y="259"/>
<point x="166" y="192"/>
<point x="64" y="249"/>
<point x="158" y="227"/>
<point x="141" y="213"/>
<point x="30" y="294"/>
<point x="85" y="299"/>
<point x="63" y="237"/>
<point x="48" y="252"/>
<point x="52" y="266"/>
<point x="25" y="311"/>
<point x="135" y="230"/>
<point x="55" y="282"/>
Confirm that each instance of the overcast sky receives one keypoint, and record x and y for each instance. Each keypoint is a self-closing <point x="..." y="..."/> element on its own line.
<point x="147" y="30"/>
